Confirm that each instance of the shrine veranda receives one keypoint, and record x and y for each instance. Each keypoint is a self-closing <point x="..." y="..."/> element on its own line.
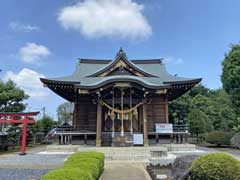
<point x="120" y="102"/>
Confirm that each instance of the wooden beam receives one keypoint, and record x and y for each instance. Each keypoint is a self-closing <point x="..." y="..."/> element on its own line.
<point x="99" y="125"/>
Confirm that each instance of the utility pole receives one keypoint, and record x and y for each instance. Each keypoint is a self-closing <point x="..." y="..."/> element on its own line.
<point x="44" y="111"/>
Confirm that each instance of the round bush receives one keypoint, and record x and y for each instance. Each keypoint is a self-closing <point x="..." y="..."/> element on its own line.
<point x="219" y="138"/>
<point x="69" y="174"/>
<point x="217" y="166"/>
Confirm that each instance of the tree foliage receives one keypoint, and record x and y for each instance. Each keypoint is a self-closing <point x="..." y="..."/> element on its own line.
<point x="215" y="104"/>
<point x="44" y="125"/>
<point x="197" y="122"/>
<point x="231" y="75"/>
<point x="65" y="112"/>
<point x="11" y="97"/>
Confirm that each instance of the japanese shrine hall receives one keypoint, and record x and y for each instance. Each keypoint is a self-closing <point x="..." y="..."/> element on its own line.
<point x="117" y="99"/>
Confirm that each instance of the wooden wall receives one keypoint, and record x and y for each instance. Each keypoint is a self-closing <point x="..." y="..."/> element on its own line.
<point x="157" y="111"/>
<point x="86" y="113"/>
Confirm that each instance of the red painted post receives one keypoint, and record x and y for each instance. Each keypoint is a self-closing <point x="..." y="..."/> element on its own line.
<point x="24" y="136"/>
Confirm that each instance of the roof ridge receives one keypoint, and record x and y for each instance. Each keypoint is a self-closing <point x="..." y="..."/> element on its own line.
<point x="106" y="61"/>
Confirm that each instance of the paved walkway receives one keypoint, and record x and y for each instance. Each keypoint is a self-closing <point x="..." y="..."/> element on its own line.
<point x="212" y="150"/>
<point x="124" y="171"/>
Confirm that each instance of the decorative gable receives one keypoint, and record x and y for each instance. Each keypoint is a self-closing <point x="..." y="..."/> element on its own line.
<point x="121" y="66"/>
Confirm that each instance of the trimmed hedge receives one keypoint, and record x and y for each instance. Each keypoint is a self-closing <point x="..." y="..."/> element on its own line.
<point x="217" y="166"/>
<point x="79" y="166"/>
<point x="219" y="138"/>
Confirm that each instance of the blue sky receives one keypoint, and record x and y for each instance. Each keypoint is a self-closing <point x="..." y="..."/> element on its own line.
<point x="45" y="38"/>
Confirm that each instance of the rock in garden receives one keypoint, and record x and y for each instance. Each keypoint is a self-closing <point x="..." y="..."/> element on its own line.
<point x="181" y="166"/>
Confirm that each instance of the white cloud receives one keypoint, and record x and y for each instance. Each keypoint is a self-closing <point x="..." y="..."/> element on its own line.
<point x="94" y="18"/>
<point x="28" y="80"/>
<point x="22" y="27"/>
<point x="33" y="53"/>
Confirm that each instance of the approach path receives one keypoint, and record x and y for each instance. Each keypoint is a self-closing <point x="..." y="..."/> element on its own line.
<point x="124" y="171"/>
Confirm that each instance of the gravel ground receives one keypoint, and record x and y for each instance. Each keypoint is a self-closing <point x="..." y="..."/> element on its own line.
<point x="22" y="174"/>
<point x="29" y="167"/>
<point x="33" y="161"/>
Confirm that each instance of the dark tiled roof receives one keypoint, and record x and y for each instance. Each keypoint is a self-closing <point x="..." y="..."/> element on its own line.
<point x="86" y="72"/>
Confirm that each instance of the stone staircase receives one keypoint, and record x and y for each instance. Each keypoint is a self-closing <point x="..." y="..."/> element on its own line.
<point x="128" y="154"/>
<point x="134" y="154"/>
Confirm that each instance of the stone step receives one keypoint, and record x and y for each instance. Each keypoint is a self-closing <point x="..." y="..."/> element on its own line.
<point x="126" y="158"/>
<point x="122" y="150"/>
<point x="181" y="147"/>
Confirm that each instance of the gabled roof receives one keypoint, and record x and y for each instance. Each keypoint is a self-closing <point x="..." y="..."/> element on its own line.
<point x="93" y="73"/>
<point x="121" y="58"/>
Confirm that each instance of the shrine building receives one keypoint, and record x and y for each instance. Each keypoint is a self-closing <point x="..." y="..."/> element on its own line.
<point x="117" y="99"/>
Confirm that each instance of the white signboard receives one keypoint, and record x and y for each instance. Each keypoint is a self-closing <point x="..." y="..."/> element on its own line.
<point x="164" y="128"/>
<point x="138" y="139"/>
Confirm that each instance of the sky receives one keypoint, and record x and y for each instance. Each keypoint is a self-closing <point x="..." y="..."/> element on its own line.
<point x="45" y="38"/>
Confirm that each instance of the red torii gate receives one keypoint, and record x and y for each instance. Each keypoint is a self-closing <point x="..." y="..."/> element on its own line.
<point x="13" y="118"/>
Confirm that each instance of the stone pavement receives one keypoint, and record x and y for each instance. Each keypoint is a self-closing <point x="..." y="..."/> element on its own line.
<point x="211" y="150"/>
<point x="124" y="171"/>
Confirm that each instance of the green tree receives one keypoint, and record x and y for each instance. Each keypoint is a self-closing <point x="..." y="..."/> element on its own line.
<point x="197" y="124"/>
<point x="231" y="75"/>
<point x="11" y="97"/>
<point x="179" y="109"/>
<point x="215" y="104"/>
<point x="45" y="124"/>
<point x="65" y="112"/>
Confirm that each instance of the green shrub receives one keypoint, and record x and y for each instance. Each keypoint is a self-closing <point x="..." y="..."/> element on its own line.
<point x="79" y="166"/>
<point x="217" y="166"/>
<point x="219" y="138"/>
<point x="68" y="174"/>
<point x="87" y="164"/>
<point x="84" y="155"/>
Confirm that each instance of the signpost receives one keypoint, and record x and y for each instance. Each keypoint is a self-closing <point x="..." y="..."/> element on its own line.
<point x="138" y="139"/>
<point x="19" y="118"/>
<point x="162" y="128"/>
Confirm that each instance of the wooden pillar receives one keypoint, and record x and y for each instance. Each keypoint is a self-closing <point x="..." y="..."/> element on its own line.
<point x="166" y="109"/>
<point x="75" y="115"/>
<point x="99" y="125"/>
<point x="145" y="126"/>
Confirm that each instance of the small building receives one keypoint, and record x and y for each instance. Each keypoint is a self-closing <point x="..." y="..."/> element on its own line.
<point x="117" y="99"/>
